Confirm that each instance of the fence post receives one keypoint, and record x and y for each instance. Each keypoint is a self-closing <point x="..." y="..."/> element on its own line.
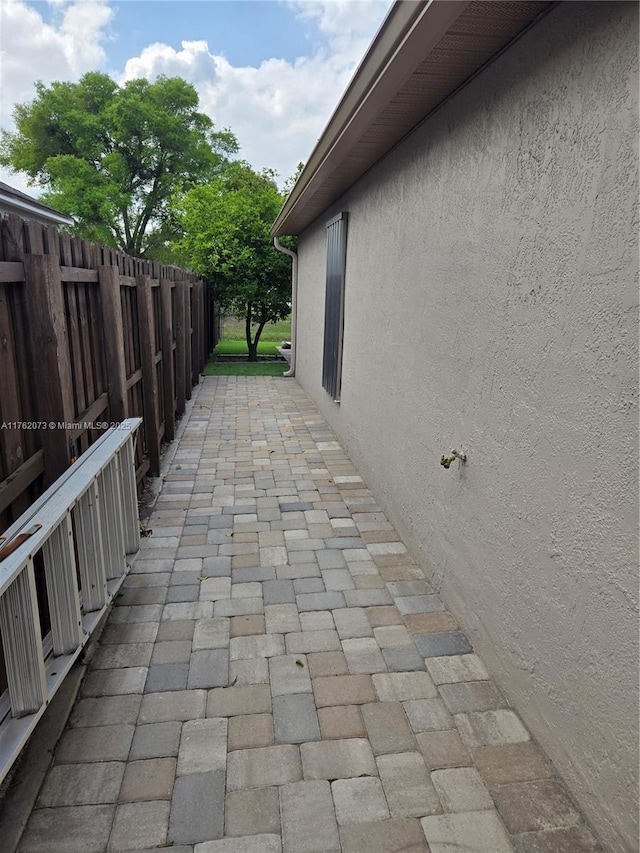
<point x="180" y="345"/>
<point x="203" y="325"/>
<point x="188" y="328"/>
<point x="149" y="374"/>
<point x="195" y="333"/>
<point x="50" y="359"/>
<point x="167" y="360"/>
<point x="109" y="280"/>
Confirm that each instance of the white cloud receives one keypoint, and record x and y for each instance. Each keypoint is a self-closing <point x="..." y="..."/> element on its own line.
<point x="278" y="109"/>
<point x="34" y="50"/>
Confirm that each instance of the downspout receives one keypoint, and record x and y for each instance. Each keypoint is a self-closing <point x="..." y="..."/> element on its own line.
<point x="294" y="303"/>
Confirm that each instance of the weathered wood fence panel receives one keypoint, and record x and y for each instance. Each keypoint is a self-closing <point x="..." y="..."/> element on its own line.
<point x="88" y="337"/>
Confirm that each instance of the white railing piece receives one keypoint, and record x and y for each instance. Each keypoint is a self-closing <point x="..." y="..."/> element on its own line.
<point x="90" y="512"/>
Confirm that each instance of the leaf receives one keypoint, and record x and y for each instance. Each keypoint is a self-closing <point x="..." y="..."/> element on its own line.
<point x="203" y="578"/>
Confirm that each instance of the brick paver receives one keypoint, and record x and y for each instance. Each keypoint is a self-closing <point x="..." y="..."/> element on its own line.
<point x="279" y="677"/>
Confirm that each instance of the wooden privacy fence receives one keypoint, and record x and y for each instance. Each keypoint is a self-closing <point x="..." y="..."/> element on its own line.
<point x="88" y="337"/>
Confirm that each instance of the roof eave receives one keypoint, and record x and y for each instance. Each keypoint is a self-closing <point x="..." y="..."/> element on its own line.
<point x="22" y="207"/>
<point x="406" y="40"/>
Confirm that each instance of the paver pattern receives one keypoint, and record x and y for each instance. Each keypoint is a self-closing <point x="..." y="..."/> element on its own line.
<point x="279" y="677"/>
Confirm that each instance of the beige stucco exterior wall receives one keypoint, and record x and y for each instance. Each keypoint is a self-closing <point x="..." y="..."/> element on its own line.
<point x="491" y="305"/>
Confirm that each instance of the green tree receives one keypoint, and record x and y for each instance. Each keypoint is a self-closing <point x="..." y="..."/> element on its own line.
<point x="115" y="157"/>
<point x="225" y="227"/>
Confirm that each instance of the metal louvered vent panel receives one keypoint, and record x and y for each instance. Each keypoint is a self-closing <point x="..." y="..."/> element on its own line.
<point x="334" y="305"/>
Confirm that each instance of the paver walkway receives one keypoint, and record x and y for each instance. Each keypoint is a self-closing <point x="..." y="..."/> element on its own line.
<point x="278" y="676"/>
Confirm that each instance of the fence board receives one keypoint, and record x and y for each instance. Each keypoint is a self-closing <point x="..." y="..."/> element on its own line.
<point x="82" y="342"/>
<point x="114" y="355"/>
<point x="166" y="344"/>
<point x="149" y="375"/>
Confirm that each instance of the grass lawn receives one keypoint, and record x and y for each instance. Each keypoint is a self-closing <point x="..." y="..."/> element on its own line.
<point x="233" y="330"/>
<point x="235" y="347"/>
<point x="245" y="368"/>
<point x="234" y="343"/>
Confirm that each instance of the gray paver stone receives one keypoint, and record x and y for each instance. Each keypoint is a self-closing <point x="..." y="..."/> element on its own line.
<point x="338" y="759"/>
<point x="107" y="710"/>
<point x="115" y="682"/>
<point x="331" y="559"/>
<point x="278" y="592"/>
<point x="249" y="671"/>
<point x="403" y="659"/>
<point x="486" y="728"/>
<point x="471" y="696"/>
<point x="97" y="743"/>
<point x="461" y="789"/>
<point x="209" y="668"/>
<point x="352" y="622"/>
<point x="176" y="705"/>
<point x="320" y="601"/>
<point x="407" y="785"/>
<point x="384" y="836"/>
<point x="438" y="645"/>
<point x="480" y="832"/>
<point x="137" y="825"/>
<point x="250" y="731"/>
<point x="256" y="646"/>
<point x="456" y="668"/>
<point x="308" y="585"/>
<point x="281" y="618"/>
<point x="76" y="829"/>
<point x="359" y="800"/>
<point x="295" y="719"/>
<point x="149" y="779"/>
<point x="167" y="676"/>
<point x="113" y="656"/>
<point x="197" y="808"/>
<point x="203" y="746"/>
<point x="155" y="740"/>
<point x="211" y="634"/>
<point x="233" y="701"/>
<point x="419" y="604"/>
<point x="252" y="812"/>
<point x="399" y="686"/>
<point x="308" y="818"/>
<point x="428" y="715"/>
<point x="270" y="765"/>
<point x="82" y="784"/>
<point x="337" y="579"/>
<point x="387" y="728"/>
<point x="246" y="844"/>
<point x="363" y="655"/>
<point x="175" y="651"/>
<point x="306" y="642"/>
<point x="344" y="690"/>
<point x="289" y="674"/>
<point x="406" y="588"/>
<point x="367" y="597"/>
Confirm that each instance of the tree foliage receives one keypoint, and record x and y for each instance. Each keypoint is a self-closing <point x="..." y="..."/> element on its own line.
<point x="115" y="157"/>
<point x="225" y="227"/>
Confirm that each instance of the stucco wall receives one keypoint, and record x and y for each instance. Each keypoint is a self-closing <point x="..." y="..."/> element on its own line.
<point x="491" y="305"/>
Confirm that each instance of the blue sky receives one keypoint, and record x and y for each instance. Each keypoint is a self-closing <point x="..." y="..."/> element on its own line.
<point x="274" y="31"/>
<point x="271" y="70"/>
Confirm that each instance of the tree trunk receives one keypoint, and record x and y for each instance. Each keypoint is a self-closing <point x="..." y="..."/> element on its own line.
<point x="253" y="349"/>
